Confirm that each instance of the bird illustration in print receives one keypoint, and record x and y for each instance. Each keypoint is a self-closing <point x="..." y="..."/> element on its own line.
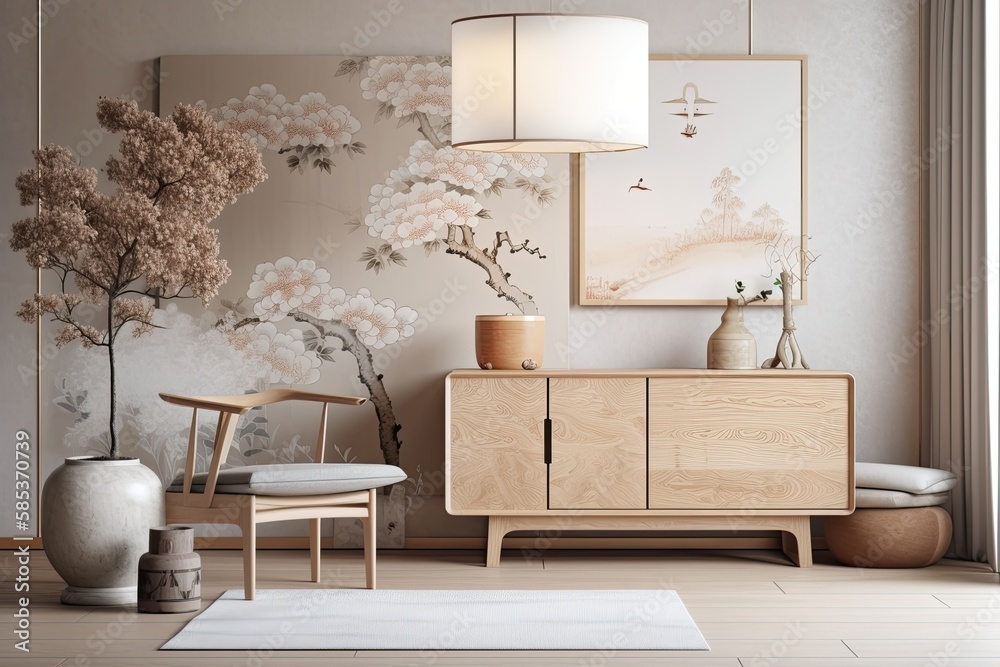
<point x="691" y="109"/>
<point x="639" y="186"/>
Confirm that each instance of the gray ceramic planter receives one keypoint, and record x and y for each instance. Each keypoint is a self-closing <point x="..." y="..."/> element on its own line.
<point x="96" y="517"/>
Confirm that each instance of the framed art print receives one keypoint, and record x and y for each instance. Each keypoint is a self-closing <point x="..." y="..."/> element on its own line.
<point x="717" y="196"/>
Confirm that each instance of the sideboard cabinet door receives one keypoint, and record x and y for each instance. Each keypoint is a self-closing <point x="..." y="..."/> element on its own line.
<point x="496" y="446"/>
<point x="598" y="443"/>
<point x="750" y="444"/>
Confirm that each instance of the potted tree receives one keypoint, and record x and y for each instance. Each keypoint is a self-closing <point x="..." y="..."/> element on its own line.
<point x="122" y="253"/>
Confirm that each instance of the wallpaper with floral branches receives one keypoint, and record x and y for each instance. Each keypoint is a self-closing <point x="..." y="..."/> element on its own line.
<point x="357" y="268"/>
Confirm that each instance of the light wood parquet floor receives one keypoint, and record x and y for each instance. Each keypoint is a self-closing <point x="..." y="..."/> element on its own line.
<point x="754" y="609"/>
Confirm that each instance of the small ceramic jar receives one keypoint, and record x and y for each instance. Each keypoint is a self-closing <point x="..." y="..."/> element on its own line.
<point x="170" y="574"/>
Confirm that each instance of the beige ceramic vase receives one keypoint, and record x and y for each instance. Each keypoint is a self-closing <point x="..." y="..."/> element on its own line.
<point x="732" y="346"/>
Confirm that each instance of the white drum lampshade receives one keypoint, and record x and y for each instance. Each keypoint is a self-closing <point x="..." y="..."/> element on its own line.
<point x="550" y="83"/>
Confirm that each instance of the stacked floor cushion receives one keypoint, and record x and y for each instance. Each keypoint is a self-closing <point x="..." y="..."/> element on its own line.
<point x="899" y="521"/>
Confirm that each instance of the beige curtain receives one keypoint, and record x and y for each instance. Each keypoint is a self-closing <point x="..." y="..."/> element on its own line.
<point x="954" y="410"/>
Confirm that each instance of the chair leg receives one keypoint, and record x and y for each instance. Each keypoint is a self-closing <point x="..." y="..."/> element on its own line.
<point x="248" y="526"/>
<point x="314" y="548"/>
<point x="369" y="524"/>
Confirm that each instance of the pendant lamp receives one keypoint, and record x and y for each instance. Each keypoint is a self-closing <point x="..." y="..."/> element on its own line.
<point x="550" y="83"/>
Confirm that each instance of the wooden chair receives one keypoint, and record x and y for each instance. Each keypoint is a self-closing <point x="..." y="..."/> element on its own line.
<point x="248" y="495"/>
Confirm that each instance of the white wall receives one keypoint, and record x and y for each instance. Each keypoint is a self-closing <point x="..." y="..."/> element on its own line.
<point x="862" y="133"/>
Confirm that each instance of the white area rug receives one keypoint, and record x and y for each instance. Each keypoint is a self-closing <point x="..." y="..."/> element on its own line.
<point x="443" y="620"/>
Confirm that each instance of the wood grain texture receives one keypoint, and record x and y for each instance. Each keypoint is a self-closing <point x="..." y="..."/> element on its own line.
<point x="506" y="341"/>
<point x="690" y="374"/>
<point x="796" y="537"/>
<point x="747" y="444"/>
<point x="745" y="604"/>
<point x="494" y="454"/>
<point x="598" y="443"/>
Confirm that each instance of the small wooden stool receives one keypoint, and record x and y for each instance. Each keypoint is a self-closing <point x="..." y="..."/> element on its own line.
<point x="897" y="537"/>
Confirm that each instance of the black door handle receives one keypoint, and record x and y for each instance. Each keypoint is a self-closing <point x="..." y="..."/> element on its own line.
<point x="548" y="440"/>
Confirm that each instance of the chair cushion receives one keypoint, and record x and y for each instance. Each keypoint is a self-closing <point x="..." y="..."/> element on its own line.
<point x="910" y="479"/>
<point x="884" y="499"/>
<point x="296" y="479"/>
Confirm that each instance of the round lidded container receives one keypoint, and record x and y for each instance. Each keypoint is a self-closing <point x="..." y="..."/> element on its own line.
<point x="510" y="342"/>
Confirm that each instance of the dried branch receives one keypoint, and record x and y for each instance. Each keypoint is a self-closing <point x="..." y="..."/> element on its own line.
<point x="82" y="331"/>
<point x="504" y="237"/>
<point x="789" y="258"/>
<point x="497" y="278"/>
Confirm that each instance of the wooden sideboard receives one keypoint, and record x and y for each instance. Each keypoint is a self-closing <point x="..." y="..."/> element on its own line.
<point x="650" y="450"/>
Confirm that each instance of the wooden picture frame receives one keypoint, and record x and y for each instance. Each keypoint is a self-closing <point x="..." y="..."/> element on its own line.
<point x="734" y="146"/>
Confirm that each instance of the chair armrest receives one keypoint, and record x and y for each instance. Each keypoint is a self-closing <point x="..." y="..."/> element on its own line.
<point x="325" y="398"/>
<point x="242" y="403"/>
<point x="214" y="403"/>
<point x="230" y="408"/>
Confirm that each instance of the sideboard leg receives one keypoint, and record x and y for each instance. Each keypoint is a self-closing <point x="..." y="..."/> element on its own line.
<point x="494" y="540"/>
<point x="796" y="541"/>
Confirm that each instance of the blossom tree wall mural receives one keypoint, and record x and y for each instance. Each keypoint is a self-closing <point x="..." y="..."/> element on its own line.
<point x="338" y="321"/>
<point x="243" y="352"/>
<point x="309" y="130"/>
<point x="299" y="309"/>
<point x="185" y="354"/>
<point x="436" y="198"/>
